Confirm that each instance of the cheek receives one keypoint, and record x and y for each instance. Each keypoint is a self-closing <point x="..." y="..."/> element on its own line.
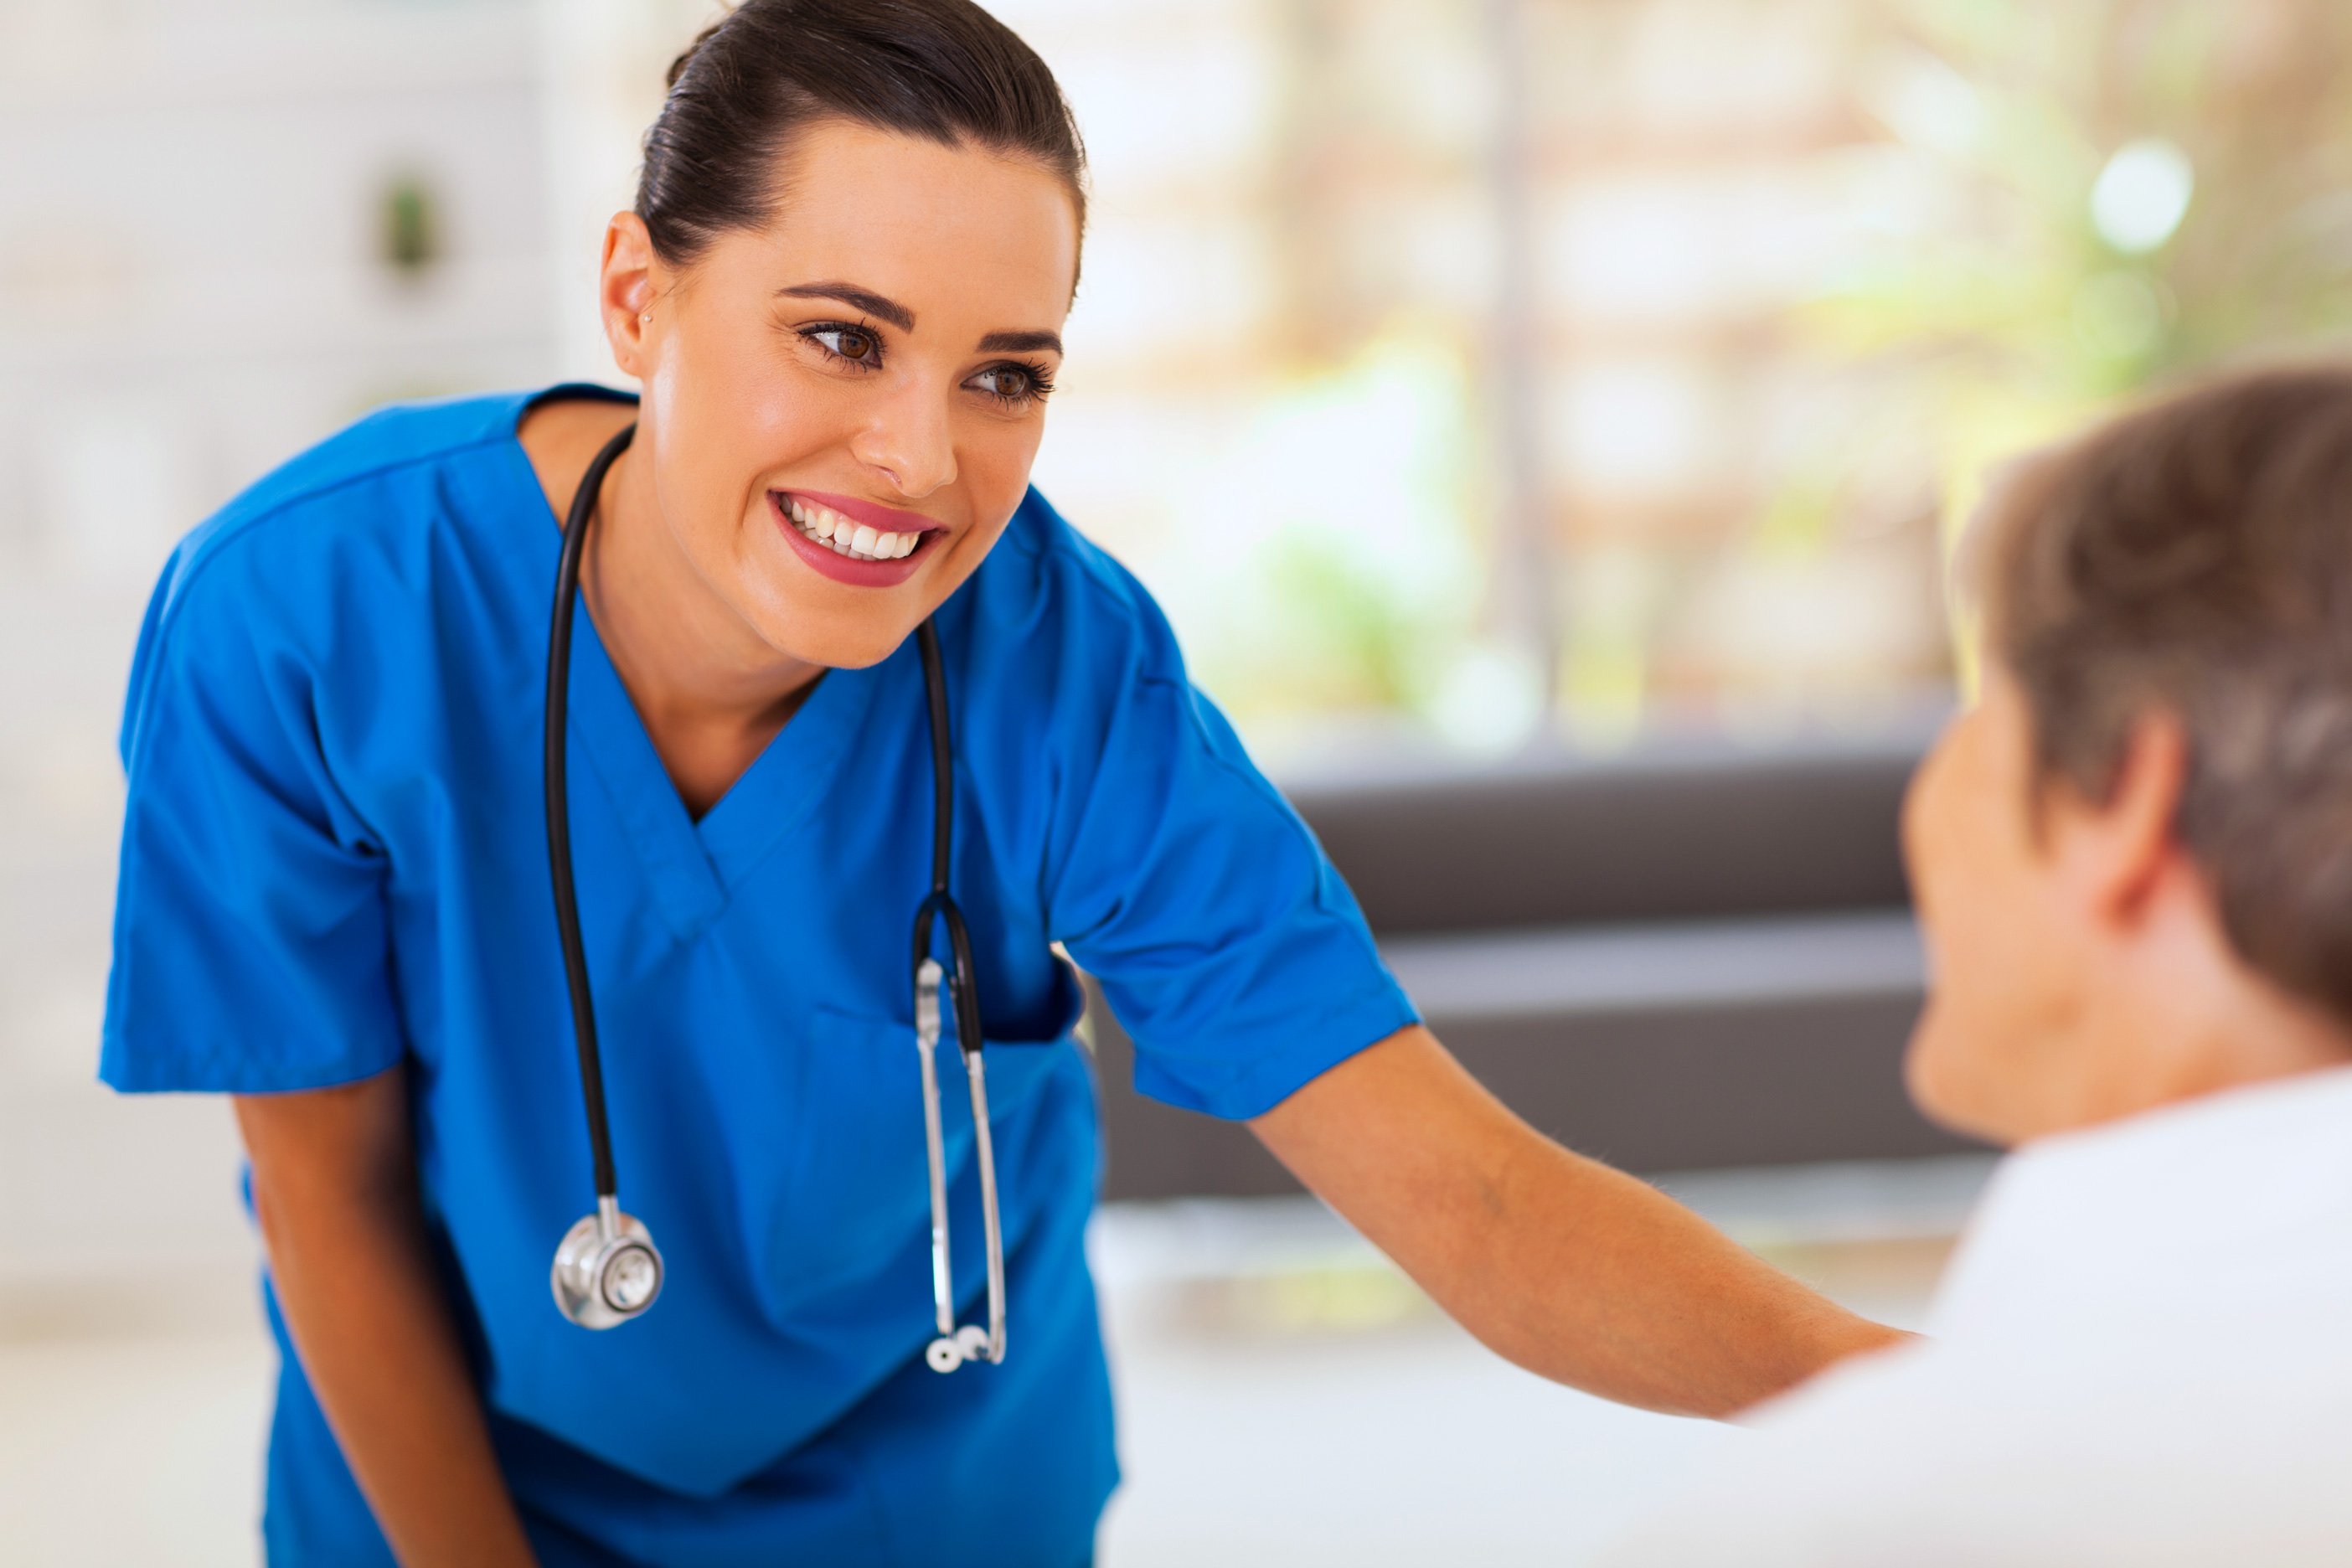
<point x="1991" y="958"/>
<point x="994" y="461"/>
<point x="726" y="426"/>
<point x="698" y="479"/>
<point x="1941" y="898"/>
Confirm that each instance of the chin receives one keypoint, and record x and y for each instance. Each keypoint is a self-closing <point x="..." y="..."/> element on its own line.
<point x="1949" y="1081"/>
<point x="821" y="640"/>
<point x="861" y="654"/>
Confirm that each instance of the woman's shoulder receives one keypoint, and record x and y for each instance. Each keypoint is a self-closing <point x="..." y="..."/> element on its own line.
<point x="397" y="437"/>
<point x="1047" y="586"/>
<point x="363" y="488"/>
<point x="1058" y="643"/>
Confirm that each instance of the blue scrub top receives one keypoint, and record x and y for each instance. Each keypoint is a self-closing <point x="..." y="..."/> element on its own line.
<point x="334" y="860"/>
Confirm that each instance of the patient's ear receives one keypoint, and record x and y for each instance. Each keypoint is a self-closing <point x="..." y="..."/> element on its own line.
<point x="2115" y="855"/>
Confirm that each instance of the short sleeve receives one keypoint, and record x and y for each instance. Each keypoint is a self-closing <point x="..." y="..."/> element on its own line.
<point x="1225" y="941"/>
<point x="250" y="934"/>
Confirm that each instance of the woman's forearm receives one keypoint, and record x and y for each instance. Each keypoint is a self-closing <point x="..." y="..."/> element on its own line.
<point x="1597" y="1280"/>
<point x="1556" y="1262"/>
<point x="352" y="1269"/>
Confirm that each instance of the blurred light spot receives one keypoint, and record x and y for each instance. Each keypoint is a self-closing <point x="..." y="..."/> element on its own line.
<point x="1634" y="428"/>
<point x="2118" y="313"/>
<point x="1783" y="631"/>
<point x="1928" y="103"/>
<point x="1490" y="701"/>
<point x="1639" y="247"/>
<point x="1162" y="287"/>
<point x="2142" y="195"/>
<point x="1319" y="558"/>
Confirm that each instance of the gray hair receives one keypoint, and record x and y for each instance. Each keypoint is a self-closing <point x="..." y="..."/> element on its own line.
<point x="2196" y="558"/>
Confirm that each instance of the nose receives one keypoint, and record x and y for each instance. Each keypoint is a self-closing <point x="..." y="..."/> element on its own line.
<point x="909" y="440"/>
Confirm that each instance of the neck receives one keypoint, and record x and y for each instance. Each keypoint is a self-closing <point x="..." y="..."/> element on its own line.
<point x="710" y="692"/>
<point x="2185" y="1018"/>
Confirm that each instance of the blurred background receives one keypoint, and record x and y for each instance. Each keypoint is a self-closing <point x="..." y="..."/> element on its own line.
<point x="1550" y="413"/>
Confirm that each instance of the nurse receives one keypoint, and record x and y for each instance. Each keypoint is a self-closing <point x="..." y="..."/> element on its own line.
<point x="842" y="289"/>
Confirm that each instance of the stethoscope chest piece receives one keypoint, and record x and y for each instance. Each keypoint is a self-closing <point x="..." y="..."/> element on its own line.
<point x="607" y="1270"/>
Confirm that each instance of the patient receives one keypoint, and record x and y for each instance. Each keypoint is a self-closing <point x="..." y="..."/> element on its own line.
<point x="2133" y="862"/>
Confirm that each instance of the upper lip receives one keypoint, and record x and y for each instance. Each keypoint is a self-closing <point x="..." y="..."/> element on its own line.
<point x="873" y="514"/>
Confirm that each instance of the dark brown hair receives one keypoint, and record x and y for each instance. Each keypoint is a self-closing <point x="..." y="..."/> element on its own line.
<point x="943" y="70"/>
<point x="2196" y="558"/>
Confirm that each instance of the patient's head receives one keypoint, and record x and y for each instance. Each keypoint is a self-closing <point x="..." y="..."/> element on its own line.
<point x="2133" y="857"/>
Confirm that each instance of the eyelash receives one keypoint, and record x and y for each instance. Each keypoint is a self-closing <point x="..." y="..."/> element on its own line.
<point x="817" y="331"/>
<point x="1040" y="376"/>
<point x="1041" y="382"/>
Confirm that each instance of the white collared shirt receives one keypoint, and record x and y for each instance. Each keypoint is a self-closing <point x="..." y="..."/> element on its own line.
<point x="2142" y="1355"/>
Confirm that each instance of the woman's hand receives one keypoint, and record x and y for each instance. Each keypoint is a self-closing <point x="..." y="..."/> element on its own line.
<point x="1556" y="1262"/>
<point x="334" y="1184"/>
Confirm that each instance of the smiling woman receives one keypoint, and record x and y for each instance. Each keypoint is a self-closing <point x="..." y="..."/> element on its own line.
<point x="878" y="349"/>
<point x="843" y="289"/>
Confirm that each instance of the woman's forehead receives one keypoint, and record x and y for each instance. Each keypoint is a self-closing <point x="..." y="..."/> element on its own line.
<point x="948" y="231"/>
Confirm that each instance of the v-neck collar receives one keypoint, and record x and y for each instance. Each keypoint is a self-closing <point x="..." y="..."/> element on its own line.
<point x="694" y="866"/>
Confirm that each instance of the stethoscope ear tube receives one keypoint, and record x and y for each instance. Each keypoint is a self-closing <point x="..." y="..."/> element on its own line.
<point x="607" y="1270"/>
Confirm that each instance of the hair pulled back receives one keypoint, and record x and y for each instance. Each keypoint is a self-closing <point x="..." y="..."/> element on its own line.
<point x="943" y="70"/>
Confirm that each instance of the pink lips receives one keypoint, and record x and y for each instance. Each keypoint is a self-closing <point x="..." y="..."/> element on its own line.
<point x="841" y="568"/>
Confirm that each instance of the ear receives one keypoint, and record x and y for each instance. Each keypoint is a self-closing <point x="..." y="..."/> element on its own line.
<point x="627" y="286"/>
<point x="2115" y="855"/>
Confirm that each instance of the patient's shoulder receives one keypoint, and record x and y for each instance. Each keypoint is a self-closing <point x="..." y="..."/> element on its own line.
<point x="2056" y="1453"/>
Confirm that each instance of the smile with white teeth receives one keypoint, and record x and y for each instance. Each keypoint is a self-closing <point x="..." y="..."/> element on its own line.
<point x="842" y="537"/>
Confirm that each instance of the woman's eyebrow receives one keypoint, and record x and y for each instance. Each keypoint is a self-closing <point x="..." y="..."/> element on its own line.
<point x="898" y="316"/>
<point x="865" y="299"/>
<point x="1019" y="343"/>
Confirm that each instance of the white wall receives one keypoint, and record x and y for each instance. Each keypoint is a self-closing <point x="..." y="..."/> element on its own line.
<point x="190" y="254"/>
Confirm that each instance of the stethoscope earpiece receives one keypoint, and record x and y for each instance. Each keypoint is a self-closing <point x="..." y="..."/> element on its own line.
<point x="955" y="1346"/>
<point x="950" y="1352"/>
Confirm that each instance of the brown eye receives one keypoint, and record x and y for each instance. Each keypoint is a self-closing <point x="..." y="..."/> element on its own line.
<point x="853" y="343"/>
<point x="1013" y="385"/>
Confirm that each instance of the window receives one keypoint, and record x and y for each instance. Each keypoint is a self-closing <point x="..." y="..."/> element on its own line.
<point x="1461" y="369"/>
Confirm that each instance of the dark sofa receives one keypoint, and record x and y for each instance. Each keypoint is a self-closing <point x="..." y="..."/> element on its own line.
<point x="1675" y="960"/>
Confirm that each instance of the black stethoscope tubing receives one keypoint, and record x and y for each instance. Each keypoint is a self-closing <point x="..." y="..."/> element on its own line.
<point x="559" y="806"/>
<point x="609" y="1239"/>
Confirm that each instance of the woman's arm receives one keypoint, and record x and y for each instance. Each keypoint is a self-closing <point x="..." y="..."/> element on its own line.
<point x="334" y="1184"/>
<point x="1556" y="1262"/>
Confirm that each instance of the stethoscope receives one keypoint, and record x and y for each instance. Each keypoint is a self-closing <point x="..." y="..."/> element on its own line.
<point x="608" y="1270"/>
